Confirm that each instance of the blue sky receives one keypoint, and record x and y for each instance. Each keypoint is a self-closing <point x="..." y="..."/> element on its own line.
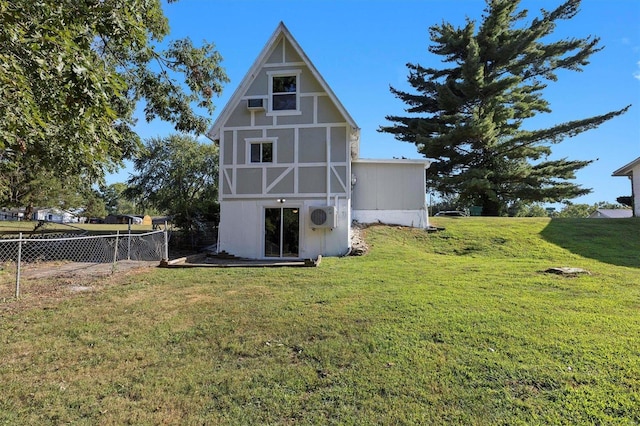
<point x="361" y="48"/>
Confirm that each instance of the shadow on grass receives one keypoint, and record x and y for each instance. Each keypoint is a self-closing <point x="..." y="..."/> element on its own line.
<point x="614" y="241"/>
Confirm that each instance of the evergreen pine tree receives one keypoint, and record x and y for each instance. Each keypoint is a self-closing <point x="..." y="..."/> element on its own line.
<point x="469" y="117"/>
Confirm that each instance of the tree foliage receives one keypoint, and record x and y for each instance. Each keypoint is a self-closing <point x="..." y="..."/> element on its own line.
<point x="532" y="210"/>
<point x="625" y="200"/>
<point x="115" y="200"/>
<point x="177" y="175"/>
<point x="25" y="183"/>
<point x="469" y="116"/>
<point x="72" y="73"/>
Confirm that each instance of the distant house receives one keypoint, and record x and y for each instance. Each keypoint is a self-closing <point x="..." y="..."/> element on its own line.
<point x="124" y="219"/>
<point x="54" y="214"/>
<point x="290" y="179"/>
<point x="611" y="213"/>
<point x="7" y="214"/>
<point x="632" y="171"/>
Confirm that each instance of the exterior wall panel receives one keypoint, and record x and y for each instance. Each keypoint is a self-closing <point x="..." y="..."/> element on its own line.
<point x="261" y="118"/>
<point x="259" y="86"/>
<point x="276" y="56"/>
<point x="286" y="144"/>
<point x="227" y="146"/>
<point x="243" y="235"/>
<point x="327" y="111"/>
<point x="226" y="189"/>
<point x="249" y="181"/>
<point x="306" y="117"/>
<point x="285" y="185"/>
<point x="339" y="144"/>
<point x="240" y="116"/>
<point x="312" y="145"/>
<point x="336" y="186"/>
<point x="388" y="186"/>
<point x="290" y="55"/>
<point x="312" y="180"/>
<point x="309" y="84"/>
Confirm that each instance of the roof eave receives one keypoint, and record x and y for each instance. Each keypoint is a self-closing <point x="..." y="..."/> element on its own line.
<point x="627" y="169"/>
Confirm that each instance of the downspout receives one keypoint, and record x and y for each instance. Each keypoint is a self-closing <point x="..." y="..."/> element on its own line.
<point x="426" y="167"/>
<point x="328" y="145"/>
<point x="634" y="202"/>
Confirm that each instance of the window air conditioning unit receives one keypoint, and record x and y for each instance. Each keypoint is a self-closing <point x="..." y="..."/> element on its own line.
<point x="255" y="104"/>
<point x="323" y="217"/>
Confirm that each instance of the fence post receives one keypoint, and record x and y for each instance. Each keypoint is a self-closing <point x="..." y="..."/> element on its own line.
<point x="18" y="264"/>
<point x="166" y="243"/>
<point x="129" y="242"/>
<point x="115" y="253"/>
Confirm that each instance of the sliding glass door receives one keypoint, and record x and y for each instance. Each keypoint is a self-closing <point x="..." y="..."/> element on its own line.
<point x="281" y="232"/>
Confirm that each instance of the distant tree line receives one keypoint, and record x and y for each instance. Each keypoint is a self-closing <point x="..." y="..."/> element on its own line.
<point x="451" y="202"/>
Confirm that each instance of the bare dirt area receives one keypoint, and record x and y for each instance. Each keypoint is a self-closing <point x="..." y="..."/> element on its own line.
<point x="44" y="283"/>
<point x="83" y="269"/>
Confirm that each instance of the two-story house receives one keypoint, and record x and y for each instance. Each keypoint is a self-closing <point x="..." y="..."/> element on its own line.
<point x="291" y="181"/>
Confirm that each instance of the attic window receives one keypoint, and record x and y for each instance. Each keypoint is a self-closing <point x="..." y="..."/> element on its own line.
<point x="284" y="92"/>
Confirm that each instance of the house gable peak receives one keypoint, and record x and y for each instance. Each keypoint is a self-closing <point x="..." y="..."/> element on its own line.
<point x="269" y="55"/>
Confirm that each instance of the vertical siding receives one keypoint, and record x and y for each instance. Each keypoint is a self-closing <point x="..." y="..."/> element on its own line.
<point x="384" y="186"/>
<point x="635" y="188"/>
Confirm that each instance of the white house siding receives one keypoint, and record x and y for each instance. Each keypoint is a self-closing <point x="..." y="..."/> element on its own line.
<point x="390" y="191"/>
<point x="632" y="171"/>
<point x="241" y="231"/>
<point x="635" y="187"/>
<point x="54" y="215"/>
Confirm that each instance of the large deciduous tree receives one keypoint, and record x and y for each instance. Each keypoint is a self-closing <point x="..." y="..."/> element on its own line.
<point x="25" y="183"/>
<point x="114" y="200"/>
<point x="469" y="115"/>
<point x="72" y="73"/>
<point x="177" y="175"/>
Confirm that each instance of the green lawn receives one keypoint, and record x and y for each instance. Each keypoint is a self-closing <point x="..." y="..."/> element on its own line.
<point x="461" y="326"/>
<point x="29" y="226"/>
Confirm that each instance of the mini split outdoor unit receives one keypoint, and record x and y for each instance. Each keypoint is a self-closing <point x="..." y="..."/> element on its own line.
<point x="255" y="104"/>
<point x="323" y="217"/>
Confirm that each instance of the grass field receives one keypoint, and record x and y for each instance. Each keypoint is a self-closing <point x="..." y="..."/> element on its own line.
<point x="461" y="326"/>
<point x="28" y="226"/>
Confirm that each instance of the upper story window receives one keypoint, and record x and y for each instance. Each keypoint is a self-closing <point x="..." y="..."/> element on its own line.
<point x="261" y="152"/>
<point x="284" y="92"/>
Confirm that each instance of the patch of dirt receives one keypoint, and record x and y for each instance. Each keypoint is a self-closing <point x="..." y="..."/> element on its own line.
<point x="44" y="284"/>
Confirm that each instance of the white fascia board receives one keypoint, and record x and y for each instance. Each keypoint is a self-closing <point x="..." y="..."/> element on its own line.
<point x="425" y="163"/>
<point x="626" y="169"/>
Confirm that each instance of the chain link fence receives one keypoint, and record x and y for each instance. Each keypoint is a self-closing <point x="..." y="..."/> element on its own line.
<point x="70" y="247"/>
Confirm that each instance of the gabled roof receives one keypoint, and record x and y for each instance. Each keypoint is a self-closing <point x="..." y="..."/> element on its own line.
<point x="281" y="31"/>
<point x="612" y="213"/>
<point x="626" y="169"/>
